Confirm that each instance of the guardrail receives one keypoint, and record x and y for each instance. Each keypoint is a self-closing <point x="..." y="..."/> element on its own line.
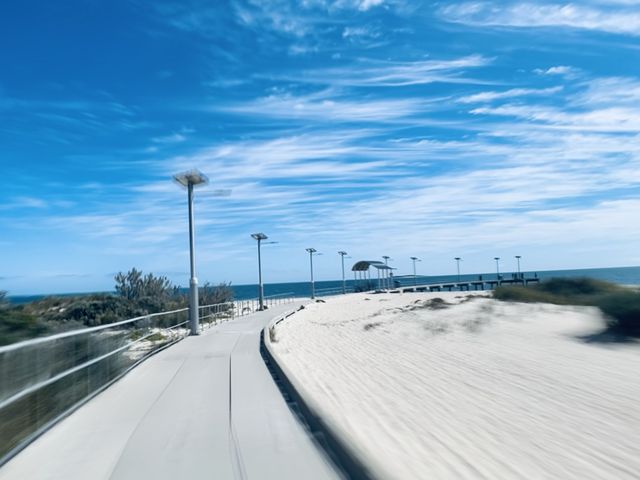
<point x="244" y="307"/>
<point x="44" y="379"/>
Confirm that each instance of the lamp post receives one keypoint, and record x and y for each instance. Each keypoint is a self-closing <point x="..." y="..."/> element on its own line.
<point x="189" y="180"/>
<point x="518" y="257"/>
<point x="497" y="259"/>
<point x="457" y="259"/>
<point x="415" y="280"/>
<point x="259" y="237"/>
<point x="344" y="283"/>
<point x="311" y="252"/>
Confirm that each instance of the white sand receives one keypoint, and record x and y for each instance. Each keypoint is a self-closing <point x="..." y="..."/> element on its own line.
<point x="481" y="389"/>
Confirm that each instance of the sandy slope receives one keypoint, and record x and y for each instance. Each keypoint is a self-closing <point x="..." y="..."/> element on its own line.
<point x="480" y="389"/>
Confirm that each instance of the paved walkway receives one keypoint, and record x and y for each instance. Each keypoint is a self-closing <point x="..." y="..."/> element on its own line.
<point x="206" y="407"/>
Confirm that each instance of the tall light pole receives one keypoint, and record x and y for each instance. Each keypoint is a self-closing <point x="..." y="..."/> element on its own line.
<point x="259" y="237"/>
<point x="415" y="279"/>
<point x="497" y="259"/>
<point x="457" y="259"/>
<point x="313" y="289"/>
<point x="344" y="283"/>
<point x="189" y="180"/>
<point x="518" y="257"/>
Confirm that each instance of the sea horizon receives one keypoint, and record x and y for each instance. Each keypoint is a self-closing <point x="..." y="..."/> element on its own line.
<point x="623" y="275"/>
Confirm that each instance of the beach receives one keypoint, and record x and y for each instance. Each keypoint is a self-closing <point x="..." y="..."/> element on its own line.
<point x="458" y="385"/>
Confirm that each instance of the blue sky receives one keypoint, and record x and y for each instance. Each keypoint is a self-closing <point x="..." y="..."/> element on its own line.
<point x="379" y="127"/>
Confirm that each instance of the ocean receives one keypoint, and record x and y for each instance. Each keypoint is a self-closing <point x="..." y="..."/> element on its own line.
<point x="621" y="275"/>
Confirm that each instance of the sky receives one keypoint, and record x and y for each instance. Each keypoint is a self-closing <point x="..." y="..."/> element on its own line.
<point x="379" y="127"/>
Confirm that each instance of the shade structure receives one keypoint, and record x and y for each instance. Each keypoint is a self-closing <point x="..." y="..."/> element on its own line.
<point x="362" y="274"/>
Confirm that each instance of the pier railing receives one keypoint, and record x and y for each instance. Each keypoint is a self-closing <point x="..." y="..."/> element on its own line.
<point x="43" y="379"/>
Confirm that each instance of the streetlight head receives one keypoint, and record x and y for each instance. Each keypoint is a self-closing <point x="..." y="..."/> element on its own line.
<point x="192" y="177"/>
<point x="311" y="250"/>
<point x="457" y="258"/>
<point x="414" y="258"/>
<point x="518" y="256"/>
<point x="342" y="253"/>
<point x="259" y="236"/>
<point x="496" y="258"/>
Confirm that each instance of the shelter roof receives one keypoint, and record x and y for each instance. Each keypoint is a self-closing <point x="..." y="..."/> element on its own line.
<point x="363" y="265"/>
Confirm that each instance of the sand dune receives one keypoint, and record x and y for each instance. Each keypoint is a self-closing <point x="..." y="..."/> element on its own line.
<point x="478" y="389"/>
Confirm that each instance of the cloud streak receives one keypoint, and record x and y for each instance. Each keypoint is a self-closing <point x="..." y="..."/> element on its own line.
<point x="625" y="21"/>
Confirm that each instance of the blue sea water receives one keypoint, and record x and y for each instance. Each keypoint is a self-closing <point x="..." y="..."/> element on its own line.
<point x="621" y="275"/>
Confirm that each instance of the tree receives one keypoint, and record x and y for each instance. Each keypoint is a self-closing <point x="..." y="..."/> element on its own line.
<point x="211" y="295"/>
<point x="134" y="286"/>
<point x="152" y="293"/>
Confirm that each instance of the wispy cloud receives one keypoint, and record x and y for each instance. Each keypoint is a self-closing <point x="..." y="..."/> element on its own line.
<point x="172" y="138"/>
<point x="522" y="14"/>
<point x="329" y="106"/>
<point x="511" y="93"/>
<point x="376" y="73"/>
<point x="557" y="70"/>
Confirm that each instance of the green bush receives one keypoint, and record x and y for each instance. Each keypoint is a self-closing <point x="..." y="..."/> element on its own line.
<point x="620" y="305"/>
<point x="212" y="295"/>
<point x="623" y="312"/>
<point x="526" y="295"/>
<point x="572" y="287"/>
<point x="16" y="325"/>
<point x="561" y="291"/>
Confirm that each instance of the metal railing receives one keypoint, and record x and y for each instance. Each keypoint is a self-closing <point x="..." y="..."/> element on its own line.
<point x="245" y="307"/>
<point x="43" y="379"/>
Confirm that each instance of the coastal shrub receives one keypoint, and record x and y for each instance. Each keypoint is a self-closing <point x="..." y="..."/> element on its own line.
<point x="623" y="312"/>
<point x="619" y="304"/>
<point x="560" y="291"/>
<point x="16" y="325"/>
<point x="575" y="287"/>
<point x="215" y="294"/>
<point x="524" y="294"/>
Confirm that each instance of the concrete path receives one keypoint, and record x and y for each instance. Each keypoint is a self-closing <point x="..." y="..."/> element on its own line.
<point x="206" y="407"/>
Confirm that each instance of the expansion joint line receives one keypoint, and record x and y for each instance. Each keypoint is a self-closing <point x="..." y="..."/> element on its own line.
<point x="236" y="454"/>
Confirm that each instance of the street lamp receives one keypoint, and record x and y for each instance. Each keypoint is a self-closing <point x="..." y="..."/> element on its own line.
<point x="189" y="180"/>
<point x="311" y="252"/>
<point x="457" y="259"/>
<point x="518" y="257"/>
<point x="344" y="283"/>
<point x="415" y="259"/>
<point x="259" y="237"/>
<point x="497" y="259"/>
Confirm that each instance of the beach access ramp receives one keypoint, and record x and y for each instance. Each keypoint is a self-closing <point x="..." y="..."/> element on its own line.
<point x="206" y="407"/>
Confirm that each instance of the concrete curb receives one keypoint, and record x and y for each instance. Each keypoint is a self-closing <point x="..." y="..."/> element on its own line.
<point x="335" y="447"/>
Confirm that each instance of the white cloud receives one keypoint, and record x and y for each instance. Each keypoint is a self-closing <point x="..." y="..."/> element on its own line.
<point x="327" y="106"/>
<point x="172" y="138"/>
<point x="359" y="32"/>
<point x="367" y="4"/>
<point x="514" y="92"/>
<point x="557" y="70"/>
<point x="24" y="203"/>
<point x="522" y="14"/>
<point x="607" y="91"/>
<point x="375" y="73"/>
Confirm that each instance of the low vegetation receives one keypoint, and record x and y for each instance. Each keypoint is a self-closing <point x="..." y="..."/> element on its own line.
<point x="621" y="305"/>
<point x="135" y="295"/>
